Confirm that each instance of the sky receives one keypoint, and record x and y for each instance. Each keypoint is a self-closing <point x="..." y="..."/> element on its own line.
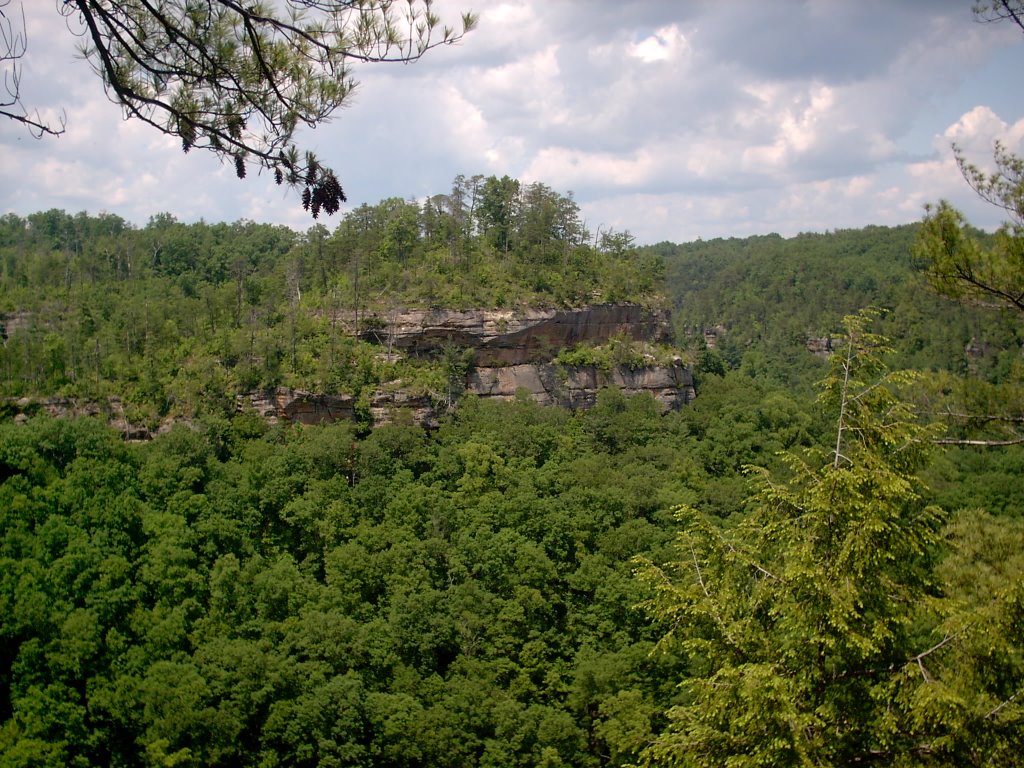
<point x="673" y="119"/>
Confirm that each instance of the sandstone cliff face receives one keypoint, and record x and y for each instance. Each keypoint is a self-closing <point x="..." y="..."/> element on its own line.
<point x="301" y="407"/>
<point x="14" y="322"/>
<point x="547" y="383"/>
<point x="820" y="347"/>
<point x="500" y="337"/>
<point x="284" y="404"/>
<point x="111" y="409"/>
<point x="577" y="386"/>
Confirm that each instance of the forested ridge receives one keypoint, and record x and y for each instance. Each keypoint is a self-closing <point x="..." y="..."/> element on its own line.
<point x="172" y="318"/>
<point x="769" y="296"/>
<point x="515" y="587"/>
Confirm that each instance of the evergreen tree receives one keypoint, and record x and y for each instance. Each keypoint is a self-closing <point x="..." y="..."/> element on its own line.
<point x="237" y="79"/>
<point x="807" y="627"/>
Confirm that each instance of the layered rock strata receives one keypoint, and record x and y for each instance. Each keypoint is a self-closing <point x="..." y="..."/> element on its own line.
<point x="577" y="386"/>
<point x="111" y="410"/>
<point x="301" y="407"/>
<point x="506" y="337"/>
<point x="295" y="405"/>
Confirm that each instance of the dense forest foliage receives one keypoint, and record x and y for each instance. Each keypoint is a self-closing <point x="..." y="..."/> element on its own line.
<point x="765" y="297"/>
<point x="819" y="629"/>
<point x="516" y="586"/>
<point x="249" y="596"/>
<point x="764" y="302"/>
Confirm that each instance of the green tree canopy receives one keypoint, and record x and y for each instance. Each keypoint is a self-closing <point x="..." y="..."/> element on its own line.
<point x="962" y="267"/>
<point x="807" y="627"/>
<point x="968" y="267"/>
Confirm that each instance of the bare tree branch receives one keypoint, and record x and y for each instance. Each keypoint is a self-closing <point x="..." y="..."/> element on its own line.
<point x="1000" y="10"/>
<point x="981" y="443"/>
<point x="13" y="45"/>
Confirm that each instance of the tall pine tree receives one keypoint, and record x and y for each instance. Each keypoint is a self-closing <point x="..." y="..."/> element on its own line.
<point x="814" y="630"/>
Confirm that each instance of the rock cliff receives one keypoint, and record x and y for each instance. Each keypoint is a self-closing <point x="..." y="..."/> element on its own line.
<point x="111" y="409"/>
<point x="284" y="404"/>
<point x="507" y="337"/>
<point x="301" y="407"/>
<point x="577" y="386"/>
<point x="547" y="383"/>
<point x="512" y="352"/>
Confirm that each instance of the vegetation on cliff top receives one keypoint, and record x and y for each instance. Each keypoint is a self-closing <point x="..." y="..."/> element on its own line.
<point x="176" y="318"/>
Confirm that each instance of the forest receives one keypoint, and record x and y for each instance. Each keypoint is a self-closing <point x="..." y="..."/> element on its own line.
<point x="171" y="317"/>
<point x="810" y="564"/>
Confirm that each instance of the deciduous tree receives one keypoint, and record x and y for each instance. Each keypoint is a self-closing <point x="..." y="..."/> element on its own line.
<point x="960" y="266"/>
<point x="986" y="273"/>
<point x="1000" y="10"/>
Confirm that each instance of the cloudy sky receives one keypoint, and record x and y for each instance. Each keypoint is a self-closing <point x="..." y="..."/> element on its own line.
<point x="674" y="119"/>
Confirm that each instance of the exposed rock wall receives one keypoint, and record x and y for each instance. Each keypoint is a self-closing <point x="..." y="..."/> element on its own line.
<point x="506" y="337"/>
<point x="14" y="322"/>
<point x="513" y="352"/>
<point x="299" y="406"/>
<point x="111" y="409"/>
<point x="577" y="386"/>
<point x="294" y="405"/>
<point x="820" y="347"/>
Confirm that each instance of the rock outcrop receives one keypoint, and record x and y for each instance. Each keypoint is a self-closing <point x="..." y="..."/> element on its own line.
<point x="111" y="409"/>
<point x="547" y="383"/>
<point x="507" y="337"/>
<point x="386" y="404"/>
<point x="577" y="386"/>
<point x="295" y="405"/>
<point x="13" y="322"/>
<point x="301" y="407"/>
<point x="820" y="346"/>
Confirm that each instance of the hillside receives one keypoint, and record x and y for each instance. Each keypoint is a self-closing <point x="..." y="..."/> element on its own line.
<point x="176" y="321"/>
<point x="762" y="302"/>
<point x="259" y="585"/>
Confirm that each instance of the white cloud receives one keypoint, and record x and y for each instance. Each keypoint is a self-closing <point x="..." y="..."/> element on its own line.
<point x="665" y="44"/>
<point x="670" y="119"/>
<point x="528" y="85"/>
<point x="980" y="128"/>
<point x="939" y="177"/>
